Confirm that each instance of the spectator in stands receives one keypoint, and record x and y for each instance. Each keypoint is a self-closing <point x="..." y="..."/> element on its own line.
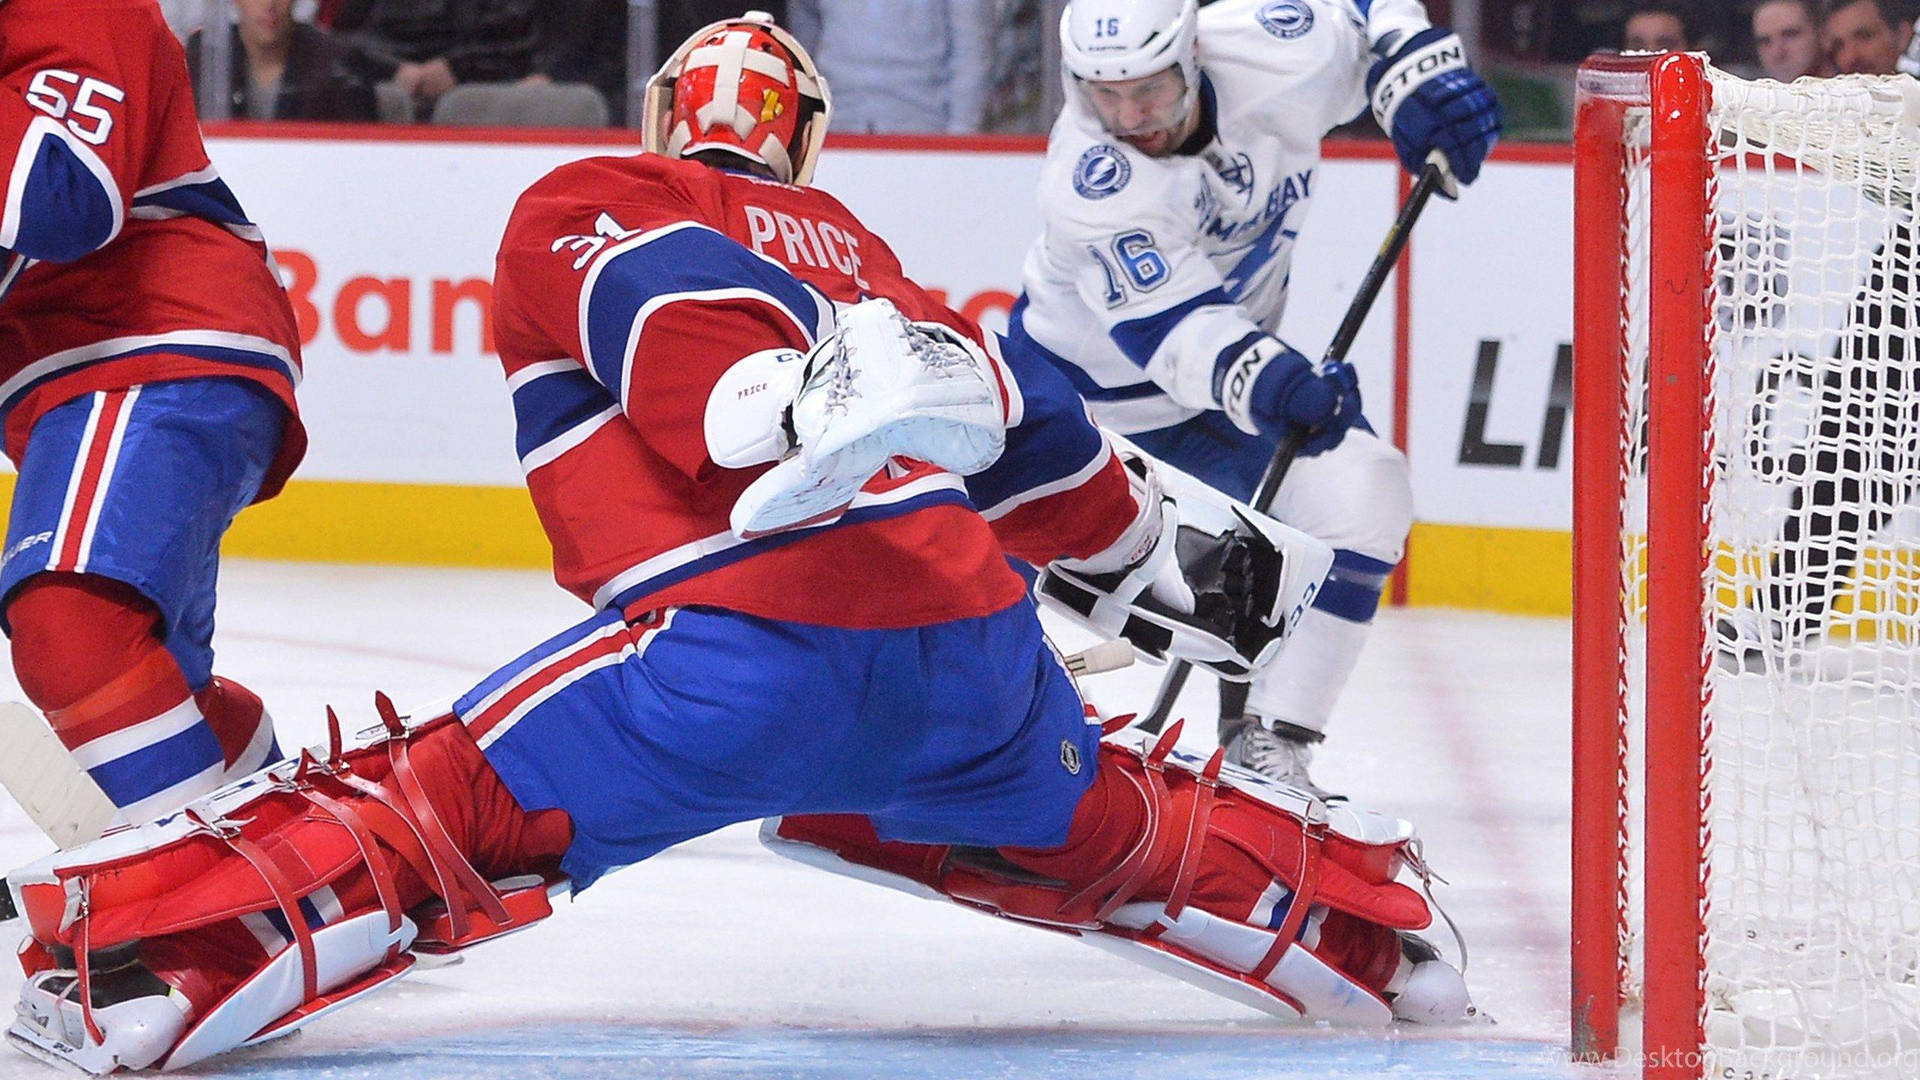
<point x="1657" y="27"/>
<point x="1786" y="37"/>
<point x="1866" y="37"/>
<point x="428" y="47"/>
<point x="585" y="41"/>
<point x="901" y="65"/>
<point x="286" y="70"/>
<point x="681" y="19"/>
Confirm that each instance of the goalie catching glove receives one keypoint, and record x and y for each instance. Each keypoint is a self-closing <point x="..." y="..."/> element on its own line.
<point x="878" y="388"/>
<point x="1197" y="576"/>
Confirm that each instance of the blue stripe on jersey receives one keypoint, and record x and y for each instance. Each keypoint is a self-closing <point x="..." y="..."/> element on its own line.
<point x="155" y="768"/>
<point x="1082" y="383"/>
<point x="64" y="211"/>
<point x="210" y="199"/>
<point x="684" y="260"/>
<point x="1140" y="338"/>
<point x="1092" y="391"/>
<point x="1054" y="438"/>
<point x="539" y="654"/>
<point x="551" y="405"/>
<point x="859" y="515"/>
<point x="1263" y="249"/>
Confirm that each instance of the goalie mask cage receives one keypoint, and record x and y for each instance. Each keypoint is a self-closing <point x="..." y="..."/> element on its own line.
<point x="1746" y="835"/>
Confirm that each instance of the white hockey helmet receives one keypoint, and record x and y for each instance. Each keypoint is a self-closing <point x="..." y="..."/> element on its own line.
<point x="1119" y="40"/>
<point x="743" y="86"/>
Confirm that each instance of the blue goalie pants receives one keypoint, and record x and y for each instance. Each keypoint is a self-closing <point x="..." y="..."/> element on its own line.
<point x="139" y="485"/>
<point x="651" y="732"/>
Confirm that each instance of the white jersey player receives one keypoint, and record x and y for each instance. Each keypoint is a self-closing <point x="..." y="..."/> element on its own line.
<point x="1176" y="182"/>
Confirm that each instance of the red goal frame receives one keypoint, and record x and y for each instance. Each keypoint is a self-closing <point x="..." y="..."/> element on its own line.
<point x="1673" y="88"/>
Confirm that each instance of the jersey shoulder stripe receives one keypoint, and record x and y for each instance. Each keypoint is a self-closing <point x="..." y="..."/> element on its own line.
<point x="681" y="262"/>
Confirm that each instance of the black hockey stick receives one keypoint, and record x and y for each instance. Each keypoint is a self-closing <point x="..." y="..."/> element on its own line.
<point x="1431" y="179"/>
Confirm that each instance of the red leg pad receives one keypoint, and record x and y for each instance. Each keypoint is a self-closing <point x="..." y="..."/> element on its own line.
<point x="181" y="889"/>
<point x="1245" y="846"/>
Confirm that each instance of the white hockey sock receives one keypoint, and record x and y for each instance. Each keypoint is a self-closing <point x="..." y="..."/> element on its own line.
<point x="1302" y="683"/>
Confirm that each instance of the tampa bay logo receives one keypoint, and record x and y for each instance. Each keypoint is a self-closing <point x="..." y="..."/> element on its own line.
<point x="1101" y="171"/>
<point x="1286" y="18"/>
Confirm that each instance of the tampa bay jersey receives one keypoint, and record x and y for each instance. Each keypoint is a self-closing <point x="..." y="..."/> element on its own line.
<point x="124" y="258"/>
<point x="627" y="287"/>
<point x="1149" y="267"/>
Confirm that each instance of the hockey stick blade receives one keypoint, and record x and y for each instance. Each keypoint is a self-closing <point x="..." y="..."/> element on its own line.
<point x="1433" y="178"/>
<point x="57" y="795"/>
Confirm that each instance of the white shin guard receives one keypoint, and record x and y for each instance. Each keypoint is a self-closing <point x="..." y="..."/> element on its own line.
<point x="1301" y="684"/>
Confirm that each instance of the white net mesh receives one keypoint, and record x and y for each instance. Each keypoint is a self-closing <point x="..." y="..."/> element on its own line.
<point x="1813" y="682"/>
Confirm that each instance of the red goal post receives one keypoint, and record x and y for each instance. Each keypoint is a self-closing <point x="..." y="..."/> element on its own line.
<point x="1746" y="743"/>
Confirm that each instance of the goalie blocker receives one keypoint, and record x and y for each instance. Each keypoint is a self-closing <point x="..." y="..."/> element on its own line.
<point x="1200" y="577"/>
<point x="296" y="890"/>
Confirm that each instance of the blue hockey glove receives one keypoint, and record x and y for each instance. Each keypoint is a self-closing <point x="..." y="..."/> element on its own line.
<point x="1266" y="387"/>
<point x="1428" y="98"/>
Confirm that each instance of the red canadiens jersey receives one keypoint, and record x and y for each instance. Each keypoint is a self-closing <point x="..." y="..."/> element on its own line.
<point x="627" y="286"/>
<point x="124" y="258"/>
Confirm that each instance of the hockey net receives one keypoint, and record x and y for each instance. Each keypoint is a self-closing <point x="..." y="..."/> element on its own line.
<point x="1747" y="571"/>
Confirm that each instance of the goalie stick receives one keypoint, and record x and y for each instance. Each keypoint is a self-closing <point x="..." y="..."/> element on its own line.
<point x="1433" y="177"/>
<point x="40" y="774"/>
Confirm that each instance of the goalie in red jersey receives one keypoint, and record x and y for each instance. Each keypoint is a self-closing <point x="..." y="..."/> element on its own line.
<point x="788" y="481"/>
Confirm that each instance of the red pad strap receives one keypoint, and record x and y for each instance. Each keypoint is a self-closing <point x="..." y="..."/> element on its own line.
<point x="365" y="839"/>
<point x="80" y="950"/>
<point x="1206" y="788"/>
<point x="1309" y="883"/>
<point x="283" y="894"/>
<point x="1118" y="885"/>
<point x="441" y="846"/>
<point x="415" y="842"/>
<point x="422" y="840"/>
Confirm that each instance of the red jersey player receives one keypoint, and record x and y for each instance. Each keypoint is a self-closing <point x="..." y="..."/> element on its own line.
<point x="148" y="357"/>
<point x="788" y="480"/>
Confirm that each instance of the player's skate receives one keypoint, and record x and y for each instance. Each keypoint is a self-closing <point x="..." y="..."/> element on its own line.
<point x="1281" y="754"/>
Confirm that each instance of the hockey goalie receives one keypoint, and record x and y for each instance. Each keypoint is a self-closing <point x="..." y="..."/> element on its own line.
<point x="789" y="482"/>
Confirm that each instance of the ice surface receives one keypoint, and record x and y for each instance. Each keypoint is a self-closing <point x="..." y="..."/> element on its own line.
<point x="718" y="959"/>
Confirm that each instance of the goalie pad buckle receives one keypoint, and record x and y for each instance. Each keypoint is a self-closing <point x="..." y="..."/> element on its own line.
<point x="1201" y="577"/>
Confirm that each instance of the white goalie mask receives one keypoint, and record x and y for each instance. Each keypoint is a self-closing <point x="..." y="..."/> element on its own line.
<point x="1122" y="42"/>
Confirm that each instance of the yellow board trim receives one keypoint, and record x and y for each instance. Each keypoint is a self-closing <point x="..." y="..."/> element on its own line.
<point x="1520" y="571"/>
<point x="354" y="522"/>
